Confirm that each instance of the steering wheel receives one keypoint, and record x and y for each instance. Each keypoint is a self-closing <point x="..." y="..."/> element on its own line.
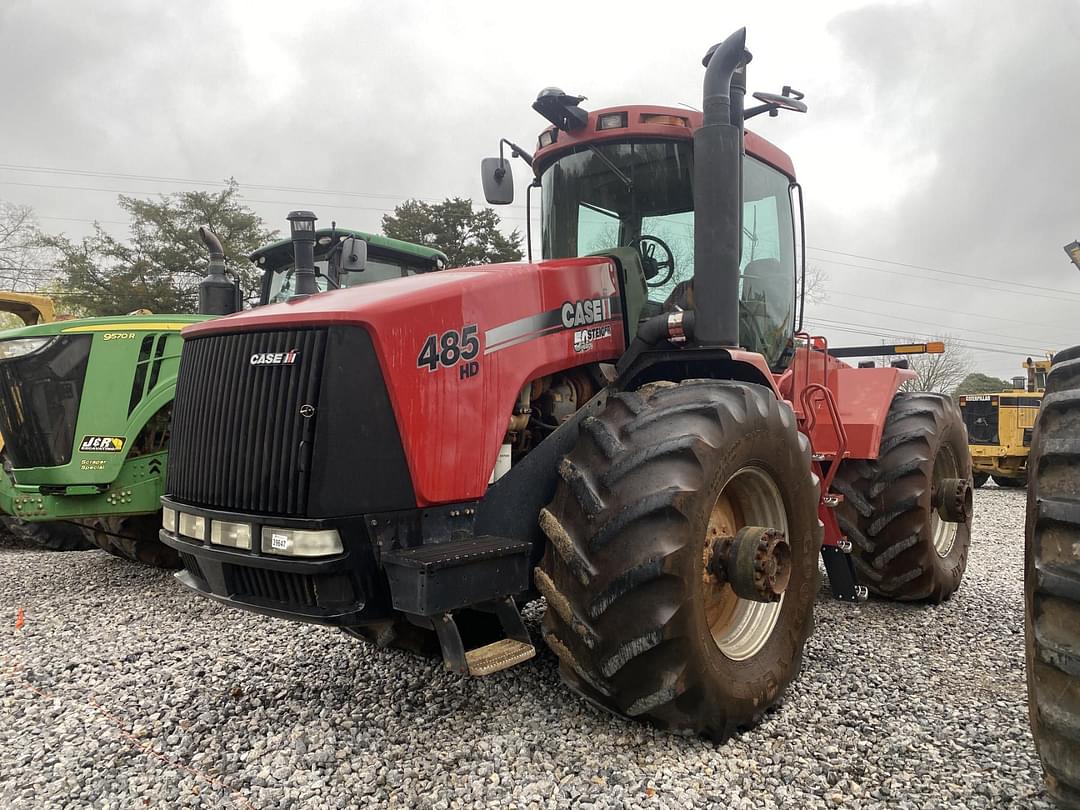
<point x="646" y="246"/>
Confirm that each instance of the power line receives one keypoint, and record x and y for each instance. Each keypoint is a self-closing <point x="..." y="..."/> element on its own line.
<point x="931" y="324"/>
<point x="286" y="203"/>
<point x="867" y="329"/>
<point x="1025" y="288"/>
<point x="149" y="178"/>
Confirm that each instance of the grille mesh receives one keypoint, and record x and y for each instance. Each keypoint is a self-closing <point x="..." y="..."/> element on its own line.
<point x="238" y="439"/>
<point x="273" y="586"/>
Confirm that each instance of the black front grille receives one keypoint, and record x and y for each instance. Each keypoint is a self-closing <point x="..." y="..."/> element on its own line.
<point x="981" y="419"/>
<point x="241" y="444"/>
<point x="239" y="438"/>
<point x="272" y="586"/>
<point x="39" y="402"/>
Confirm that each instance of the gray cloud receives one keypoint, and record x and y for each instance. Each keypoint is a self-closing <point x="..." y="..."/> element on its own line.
<point x="939" y="134"/>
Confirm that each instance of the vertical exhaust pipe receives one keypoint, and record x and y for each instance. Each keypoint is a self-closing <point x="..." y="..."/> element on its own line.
<point x="217" y="295"/>
<point x="718" y="150"/>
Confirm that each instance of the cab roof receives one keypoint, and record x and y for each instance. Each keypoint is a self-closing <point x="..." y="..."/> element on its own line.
<point x="668" y="123"/>
<point x="378" y="244"/>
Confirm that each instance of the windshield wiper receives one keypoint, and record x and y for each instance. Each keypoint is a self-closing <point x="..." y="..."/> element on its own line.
<point x="615" y="169"/>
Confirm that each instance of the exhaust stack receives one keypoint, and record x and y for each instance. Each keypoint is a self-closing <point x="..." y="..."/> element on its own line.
<point x="302" y="225"/>
<point x="217" y="295"/>
<point x="718" y="150"/>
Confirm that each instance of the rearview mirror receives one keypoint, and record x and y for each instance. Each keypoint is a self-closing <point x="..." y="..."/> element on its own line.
<point x="782" y="102"/>
<point x="498" y="181"/>
<point x="353" y="254"/>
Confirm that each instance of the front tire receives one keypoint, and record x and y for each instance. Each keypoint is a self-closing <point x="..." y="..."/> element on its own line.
<point x="1052" y="581"/>
<point x="632" y="615"/>
<point x="901" y="547"/>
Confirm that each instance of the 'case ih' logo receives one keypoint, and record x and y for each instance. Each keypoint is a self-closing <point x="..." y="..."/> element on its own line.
<point x="275" y="358"/>
<point x="582" y="313"/>
<point x="101" y="444"/>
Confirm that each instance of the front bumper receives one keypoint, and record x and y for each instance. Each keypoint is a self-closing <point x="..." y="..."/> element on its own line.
<point x="345" y="589"/>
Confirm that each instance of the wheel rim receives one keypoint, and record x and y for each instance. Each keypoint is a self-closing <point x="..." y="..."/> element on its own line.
<point x="942" y="532"/>
<point x="741" y="627"/>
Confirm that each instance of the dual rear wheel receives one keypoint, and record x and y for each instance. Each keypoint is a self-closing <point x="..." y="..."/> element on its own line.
<point x="909" y="538"/>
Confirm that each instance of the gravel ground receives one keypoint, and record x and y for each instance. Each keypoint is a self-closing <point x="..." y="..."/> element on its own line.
<point x="121" y="690"/>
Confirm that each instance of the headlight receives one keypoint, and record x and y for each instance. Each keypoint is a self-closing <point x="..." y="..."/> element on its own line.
<point x="193" y="526"/>
<point x="10" y="349"/>
<point x="227" y="533"/>
<point x="300" y="542"/>
<point x="168" y="519"/>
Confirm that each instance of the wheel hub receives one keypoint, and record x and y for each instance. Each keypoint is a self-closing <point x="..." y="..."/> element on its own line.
<point x="953" y="499"/>
<point x="750" y="500"/>
<point x="756" y="562"/>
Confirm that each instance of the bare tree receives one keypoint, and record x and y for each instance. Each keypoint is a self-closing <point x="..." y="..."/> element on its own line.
<point x="817" y="277"/>
<point x="24" y="262"/>
<point x="939" y="372"/>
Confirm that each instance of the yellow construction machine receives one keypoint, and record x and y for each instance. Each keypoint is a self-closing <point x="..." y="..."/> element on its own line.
<point x="999" y="426"/>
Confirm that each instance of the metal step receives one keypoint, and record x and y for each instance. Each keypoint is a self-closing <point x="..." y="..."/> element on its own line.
<point x="497" y="656"/>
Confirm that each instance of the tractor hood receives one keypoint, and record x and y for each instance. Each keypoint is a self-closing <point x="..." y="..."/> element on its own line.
<point x="453" y="349"/>
<point x="487" y="294"/>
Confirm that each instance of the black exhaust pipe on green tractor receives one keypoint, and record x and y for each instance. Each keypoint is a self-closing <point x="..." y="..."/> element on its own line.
<point x="217" y="295"/>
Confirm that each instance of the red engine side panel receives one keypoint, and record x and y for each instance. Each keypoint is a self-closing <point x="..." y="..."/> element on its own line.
<point x="530" y="320"/>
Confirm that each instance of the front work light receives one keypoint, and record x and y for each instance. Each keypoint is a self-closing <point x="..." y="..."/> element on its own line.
<point x="300" y="542"/>
<point x="10" y="349"/>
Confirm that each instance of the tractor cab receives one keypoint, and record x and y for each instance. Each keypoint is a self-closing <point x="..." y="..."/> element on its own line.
<point x="625" y="180"/>
<point x="338" y="264"/>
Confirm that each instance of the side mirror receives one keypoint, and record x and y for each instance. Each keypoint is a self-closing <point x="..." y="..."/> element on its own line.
<point x="353" y="254"/>
<point x="498" y="180"/>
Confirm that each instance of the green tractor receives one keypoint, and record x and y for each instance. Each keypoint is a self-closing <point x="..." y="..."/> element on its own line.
<point x="86" y="405"/>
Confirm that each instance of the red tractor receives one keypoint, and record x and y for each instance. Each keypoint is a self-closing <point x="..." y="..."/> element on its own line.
<point x="634" y="428"/>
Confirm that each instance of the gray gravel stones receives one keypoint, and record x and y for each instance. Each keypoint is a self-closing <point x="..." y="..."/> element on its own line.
<point x="122" y="690"/>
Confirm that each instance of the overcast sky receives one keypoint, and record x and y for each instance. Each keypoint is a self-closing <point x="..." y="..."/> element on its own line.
<point x="942" y="136"/>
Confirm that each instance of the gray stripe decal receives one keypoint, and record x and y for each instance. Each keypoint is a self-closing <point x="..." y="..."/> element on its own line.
<point x="521" y="327"/>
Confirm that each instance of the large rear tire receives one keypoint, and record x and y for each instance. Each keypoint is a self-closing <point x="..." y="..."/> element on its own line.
<point x="1052" y="581"/>
<point x="134" y="538"/>
<point x="901" y="546"/>
<point x="50" y="536"/>
<point x="638" y="625"/>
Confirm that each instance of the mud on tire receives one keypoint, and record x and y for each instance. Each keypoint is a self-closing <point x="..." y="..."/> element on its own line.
<point x="623" y="571"/>
<point x="132" y="537"/>
<point x="901" y="547"/>
<point x="1052" y="580"/>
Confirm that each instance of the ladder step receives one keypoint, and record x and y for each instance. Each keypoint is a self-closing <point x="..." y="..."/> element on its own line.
<point x="497" y="656"/>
